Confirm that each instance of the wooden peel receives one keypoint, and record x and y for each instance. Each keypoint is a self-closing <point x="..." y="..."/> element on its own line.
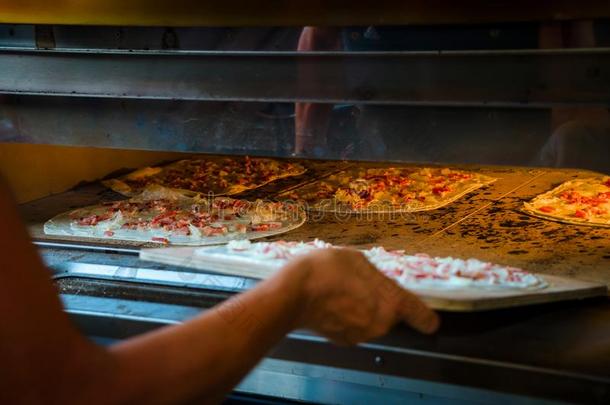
<point x="466" y="300"/>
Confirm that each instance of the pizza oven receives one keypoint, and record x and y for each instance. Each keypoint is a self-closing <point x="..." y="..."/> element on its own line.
<point x="517" y="92"/>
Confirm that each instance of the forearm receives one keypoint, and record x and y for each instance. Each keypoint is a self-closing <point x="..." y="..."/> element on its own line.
<point x="200" y="360"/>
<point x="205" y="357"/>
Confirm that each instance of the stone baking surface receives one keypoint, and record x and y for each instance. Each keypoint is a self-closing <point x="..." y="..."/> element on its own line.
<point x="486" y="224"/>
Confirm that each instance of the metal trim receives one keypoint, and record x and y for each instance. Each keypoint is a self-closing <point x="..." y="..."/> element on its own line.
<point x="531" y="78"/>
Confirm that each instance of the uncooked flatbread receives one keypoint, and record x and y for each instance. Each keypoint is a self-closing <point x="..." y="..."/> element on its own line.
<point x="168" y="217"/>
<point x="416" y="272"/>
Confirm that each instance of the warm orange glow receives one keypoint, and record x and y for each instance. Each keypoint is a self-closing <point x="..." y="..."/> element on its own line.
<point x="35" y="171"/>
<point x="290" y="12"/>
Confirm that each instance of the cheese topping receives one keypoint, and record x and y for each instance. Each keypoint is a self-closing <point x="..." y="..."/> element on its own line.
<point x="280" y="252"/>
<point x="585" y="201"/>
<point x="405" y="188"/>
<point x="163" y="215"/>
<point x="418" y="271"/>
<point x="217" y="176"/>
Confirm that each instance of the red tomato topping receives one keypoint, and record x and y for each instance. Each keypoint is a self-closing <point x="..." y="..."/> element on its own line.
<point x="546" y="208"/>
<point x="571" y="196"/>
<point x="599" y="211"/>
<point x="580" y="214"/>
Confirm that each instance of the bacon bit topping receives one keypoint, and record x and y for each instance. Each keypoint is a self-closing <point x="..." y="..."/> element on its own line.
<point x="570" y="196"/>
<point x="224" y="203"/>
<point x="459" y="176"/>
<point x="604" y="196"/>
<point x="216" y="176"/>
<point x="136" y="224"/>
<point x="607" y="183"/>
<point x="364" y="194"/>
<point x="441" y="190"/>
<point x="410" y="271"/>
<point x="109" y="233"/>
<point x="546" y="208"/>
<point x="92" y="220"/>
<point x="266" y="226"/>
<point x="165" y="241"/>
<point x="392" y="186"/>
<point x="213" y="231"/>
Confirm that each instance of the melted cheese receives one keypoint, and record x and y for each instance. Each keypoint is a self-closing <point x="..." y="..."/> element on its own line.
<point x="584" y="201"/>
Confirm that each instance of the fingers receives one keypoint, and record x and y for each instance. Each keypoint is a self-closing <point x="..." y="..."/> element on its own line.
<point x="351" y="301"/>
<point x="416" y="313"/>
<point x="407" y="307"/>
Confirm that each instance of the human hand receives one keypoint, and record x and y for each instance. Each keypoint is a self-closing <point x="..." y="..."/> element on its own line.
<point x="349" y="301"/>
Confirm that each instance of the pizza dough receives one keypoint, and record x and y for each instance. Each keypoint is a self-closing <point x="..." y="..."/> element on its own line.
<point x="388" y="189"/>
<point x="165" y="216"/>
<point x="579" y="202"/>
<point x="417" y="272"/>
<point x="217" y="176"/>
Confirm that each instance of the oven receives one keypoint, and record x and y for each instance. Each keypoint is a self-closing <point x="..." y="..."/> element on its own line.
<point x="518" y="92"/>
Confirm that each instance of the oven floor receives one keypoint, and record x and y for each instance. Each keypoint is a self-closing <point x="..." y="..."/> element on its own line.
<point x="486" y="224"/>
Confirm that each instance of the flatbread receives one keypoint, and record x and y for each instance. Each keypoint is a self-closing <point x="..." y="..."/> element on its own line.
<point x="577" y="202"/>
<point x="415" y="272"/>
<point x="215" y="176"/>
<point x="168" y="217"/>
<point x="380" y="190"/>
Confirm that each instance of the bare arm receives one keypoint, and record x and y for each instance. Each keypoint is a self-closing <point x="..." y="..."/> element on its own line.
<point x="336" y="293"/>
<point x="312" y="120"/>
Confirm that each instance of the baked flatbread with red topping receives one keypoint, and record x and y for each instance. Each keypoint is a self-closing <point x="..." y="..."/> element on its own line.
<point x="165" y="216"/>
<point x="579" y="202"/>
<point x="224" y="176"/>
<point x="388" y="189"/>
